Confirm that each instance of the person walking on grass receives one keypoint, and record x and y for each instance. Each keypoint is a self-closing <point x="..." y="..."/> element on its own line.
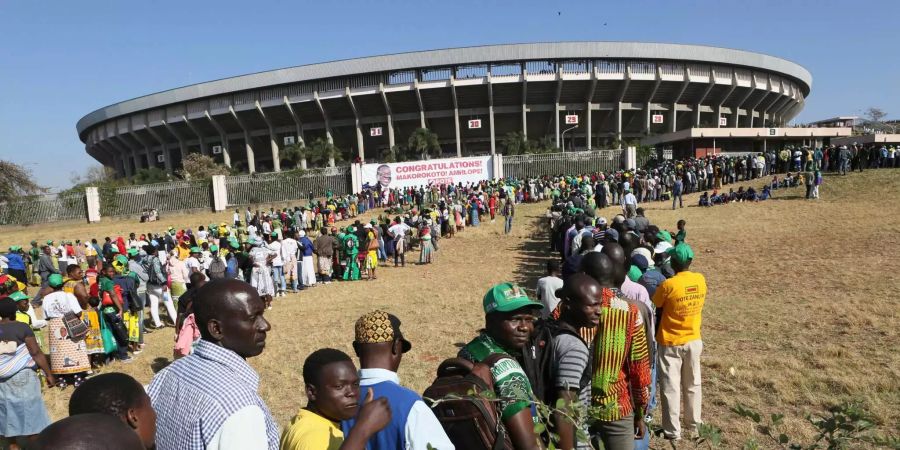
<point x="509" y="211"/>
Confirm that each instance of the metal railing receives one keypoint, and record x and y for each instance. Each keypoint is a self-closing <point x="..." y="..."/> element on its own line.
<point x="520" y="166"/>
<point x="164" y="197"/>
<point x="286" y="186"/>
<point x="44" y="208"/>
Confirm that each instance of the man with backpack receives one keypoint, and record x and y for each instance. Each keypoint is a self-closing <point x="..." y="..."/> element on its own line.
<point x="509" y="322"/>
<point x="217" y="265"/>
<point x="156" y="285"/>
<point x="579" y="307"/>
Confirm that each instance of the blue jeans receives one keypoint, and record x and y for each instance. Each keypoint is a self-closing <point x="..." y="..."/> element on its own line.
<point x="677" y="197"/>
<point x="278" y="274"/>
<point x="508" y="226"/>
<point x="644" y="444"/>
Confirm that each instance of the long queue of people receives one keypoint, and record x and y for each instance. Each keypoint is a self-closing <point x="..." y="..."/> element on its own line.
<point x="614" y="324"/>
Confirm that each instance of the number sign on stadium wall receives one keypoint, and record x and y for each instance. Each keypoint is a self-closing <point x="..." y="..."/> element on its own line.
<point x="475" y="123"/>
<point x="423" y="173"/>
<point x="657" y="118"/>
<point x="375" y="131"/>
<point x="723" y="121"/>
<point x="571" y="119"/>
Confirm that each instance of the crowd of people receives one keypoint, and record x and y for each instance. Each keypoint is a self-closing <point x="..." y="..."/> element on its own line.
<point x="614" y="324"/>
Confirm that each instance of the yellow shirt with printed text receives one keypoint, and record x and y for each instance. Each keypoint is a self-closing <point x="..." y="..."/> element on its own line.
<point x="681" y="299"/>
<point x="310" y="431"/>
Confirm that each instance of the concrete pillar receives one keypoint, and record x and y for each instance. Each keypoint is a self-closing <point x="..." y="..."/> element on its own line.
<point x="456" y="130"/>
<point x="390" y="127"/>
<point x="92" y="196"/>
<point x="619" y="121"/>
<point x="220" y="193"/>
<point x="151" y="162"/>
<point x="276" y="153"/>
<point x="226" y="153"/>
<point x="248" y="146"/>
<point x="590" y="131"/>
<point x="491" y="124"/>
<point x="525" y="104"/>
<point x="674" y="118"/>
<point x="556" y="122"/>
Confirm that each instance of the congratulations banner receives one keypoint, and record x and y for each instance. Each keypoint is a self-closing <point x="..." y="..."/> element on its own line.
<point x="423" y="173"/>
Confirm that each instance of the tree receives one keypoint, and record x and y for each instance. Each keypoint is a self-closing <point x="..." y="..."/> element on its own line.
<point x="150" y="175"/>
<point x="424" y="141"/>
<point x="94" y="175"/>
<point x="515" y="143"/>
<point x="392" y="154"/>
<point x="323" y="152"/>
<point x="16" y="181"/>
<point x="875" y="114"/>
<point x="197" y="166"/>
<point x="295" y="155"/>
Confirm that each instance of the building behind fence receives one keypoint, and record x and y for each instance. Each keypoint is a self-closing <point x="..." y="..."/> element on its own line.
<point x="262" y="188"/>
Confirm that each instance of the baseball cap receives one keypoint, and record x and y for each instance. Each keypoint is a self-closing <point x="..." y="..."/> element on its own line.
<point x="664" y="235"/>
<point x="645" y="252"/>
<point x="506" y="297"/>
<point x="132" y="252"/>
<point x="55" y="280"/>
<point x="601" y="221"/>
<point x="682" y="253"/>
<point x="196" y="250"/>
<point x="630" y="224"/>
<point x="213" y="248"/>
<point x="18" y="295"/>
<point x="639" y="261"/>
<point x="611" y="235"/>
<point x="377" y="327"/>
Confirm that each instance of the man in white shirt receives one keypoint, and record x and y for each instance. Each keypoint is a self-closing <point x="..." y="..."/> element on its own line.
<point x="629" y="204"/>
<point x="277" y="267"/>
<point x="289" y="249"/>
<point x="547" y="287"/>
<point x="192" y="263"/>
<point x="380" y="346"/>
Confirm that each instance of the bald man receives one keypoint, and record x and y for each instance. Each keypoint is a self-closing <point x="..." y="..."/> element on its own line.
<point x="209" y="400"/>
<point x="106" y="433"/>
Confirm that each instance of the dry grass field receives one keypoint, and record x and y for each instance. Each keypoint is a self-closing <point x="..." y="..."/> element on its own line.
<point x="801" y="312"/>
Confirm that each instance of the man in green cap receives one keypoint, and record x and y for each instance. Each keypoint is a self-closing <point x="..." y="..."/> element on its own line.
<point x="681" y="299"/>
<point x="509" y="322"/>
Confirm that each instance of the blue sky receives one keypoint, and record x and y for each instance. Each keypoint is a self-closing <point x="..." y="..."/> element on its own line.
<point x="59" y="60"/>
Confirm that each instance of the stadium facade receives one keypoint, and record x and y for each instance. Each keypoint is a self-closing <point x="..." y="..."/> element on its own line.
<point x="580" y="95"/>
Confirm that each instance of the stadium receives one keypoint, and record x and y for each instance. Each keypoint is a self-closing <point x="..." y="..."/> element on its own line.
<point x="572" y="95"/>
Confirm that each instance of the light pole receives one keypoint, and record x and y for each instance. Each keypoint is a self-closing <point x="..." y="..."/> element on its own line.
<point x="563" y="136"/>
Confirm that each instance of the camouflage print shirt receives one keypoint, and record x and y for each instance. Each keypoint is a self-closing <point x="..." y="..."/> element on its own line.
<point x="510" y="382"/>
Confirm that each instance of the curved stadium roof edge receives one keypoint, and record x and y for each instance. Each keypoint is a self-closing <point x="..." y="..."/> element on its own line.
<point x="452" y="56"/>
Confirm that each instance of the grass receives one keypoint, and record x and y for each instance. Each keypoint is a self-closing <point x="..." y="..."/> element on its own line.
<point x="801" y="312"/>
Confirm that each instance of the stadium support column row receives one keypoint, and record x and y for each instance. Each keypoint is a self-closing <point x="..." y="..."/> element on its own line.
<point x="625" y="83"/>
<point x="223" y="136"/>
<point x="455" y="116"/>
<point x="273" y="139"/>
<point x="390" y="117"/>
<point x="359" y="135"/>
<point x="299" y="125"/>
<point x="559" y="83"/>
<point x="588" y="107"/>
<point x="248" y="144"/>
<point x="649" y="102"/>
<point x="684" y="85"/>
<point x="724" y="98"/>
<point x="491" y="113"/>
<point x="524" y="104"/>
<point x="203" y="148"/>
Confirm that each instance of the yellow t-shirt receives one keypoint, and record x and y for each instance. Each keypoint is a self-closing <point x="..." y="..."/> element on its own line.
<point x="310" y="431"/>
<point x="681" y="299"/>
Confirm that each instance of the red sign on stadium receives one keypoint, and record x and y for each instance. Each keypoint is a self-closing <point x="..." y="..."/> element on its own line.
<point x="657" y="118"/>
<point x="571" y="119"/>
<point x="475" y="123"/>
<point x="375" y="131"/>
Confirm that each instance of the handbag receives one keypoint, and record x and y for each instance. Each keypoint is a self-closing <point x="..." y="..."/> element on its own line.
<point x="75" y="327"/>
<point x="373" y="245"/>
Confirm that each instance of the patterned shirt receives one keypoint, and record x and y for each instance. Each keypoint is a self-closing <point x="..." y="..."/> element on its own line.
<point x="510" y="382"/>
<point x="620" y="384"/>
<point x="195" y="395"/>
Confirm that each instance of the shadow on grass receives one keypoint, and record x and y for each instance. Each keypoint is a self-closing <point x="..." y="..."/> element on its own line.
<point x="534" y="252"/>
<point x="159" y="364"/>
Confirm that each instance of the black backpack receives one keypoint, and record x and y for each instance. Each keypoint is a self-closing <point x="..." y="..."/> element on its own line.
<point x="470" y="423"/>
<point x="217" y="268"/>
<point x="537" y="360"/>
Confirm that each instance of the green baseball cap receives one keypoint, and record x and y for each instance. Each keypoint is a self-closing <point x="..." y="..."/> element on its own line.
<point x="122" y="259"/>
<point x="15" y="248"/>
<point x="506" y="297"/>
<point x="665" y="236"/>
<point x="18" y="296"/>
<point x="681" y="253"/>
<point x="55" y="280"/>
<point x="196" y="250"/>
<point x="50" y="242"/>
<point x="114" y="249"/>
<point x="213" y="248"/>
<point x="132" y="252"/>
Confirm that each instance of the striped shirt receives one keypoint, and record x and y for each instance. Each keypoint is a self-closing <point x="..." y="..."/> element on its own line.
<point x="195" y="395"/>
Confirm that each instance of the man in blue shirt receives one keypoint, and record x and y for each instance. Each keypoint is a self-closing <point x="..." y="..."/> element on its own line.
<point x="380" y="346"/>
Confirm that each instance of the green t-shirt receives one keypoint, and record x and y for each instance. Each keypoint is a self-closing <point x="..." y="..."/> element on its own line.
<point x="510" y="382"/>
<point x="679" y="237"/>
